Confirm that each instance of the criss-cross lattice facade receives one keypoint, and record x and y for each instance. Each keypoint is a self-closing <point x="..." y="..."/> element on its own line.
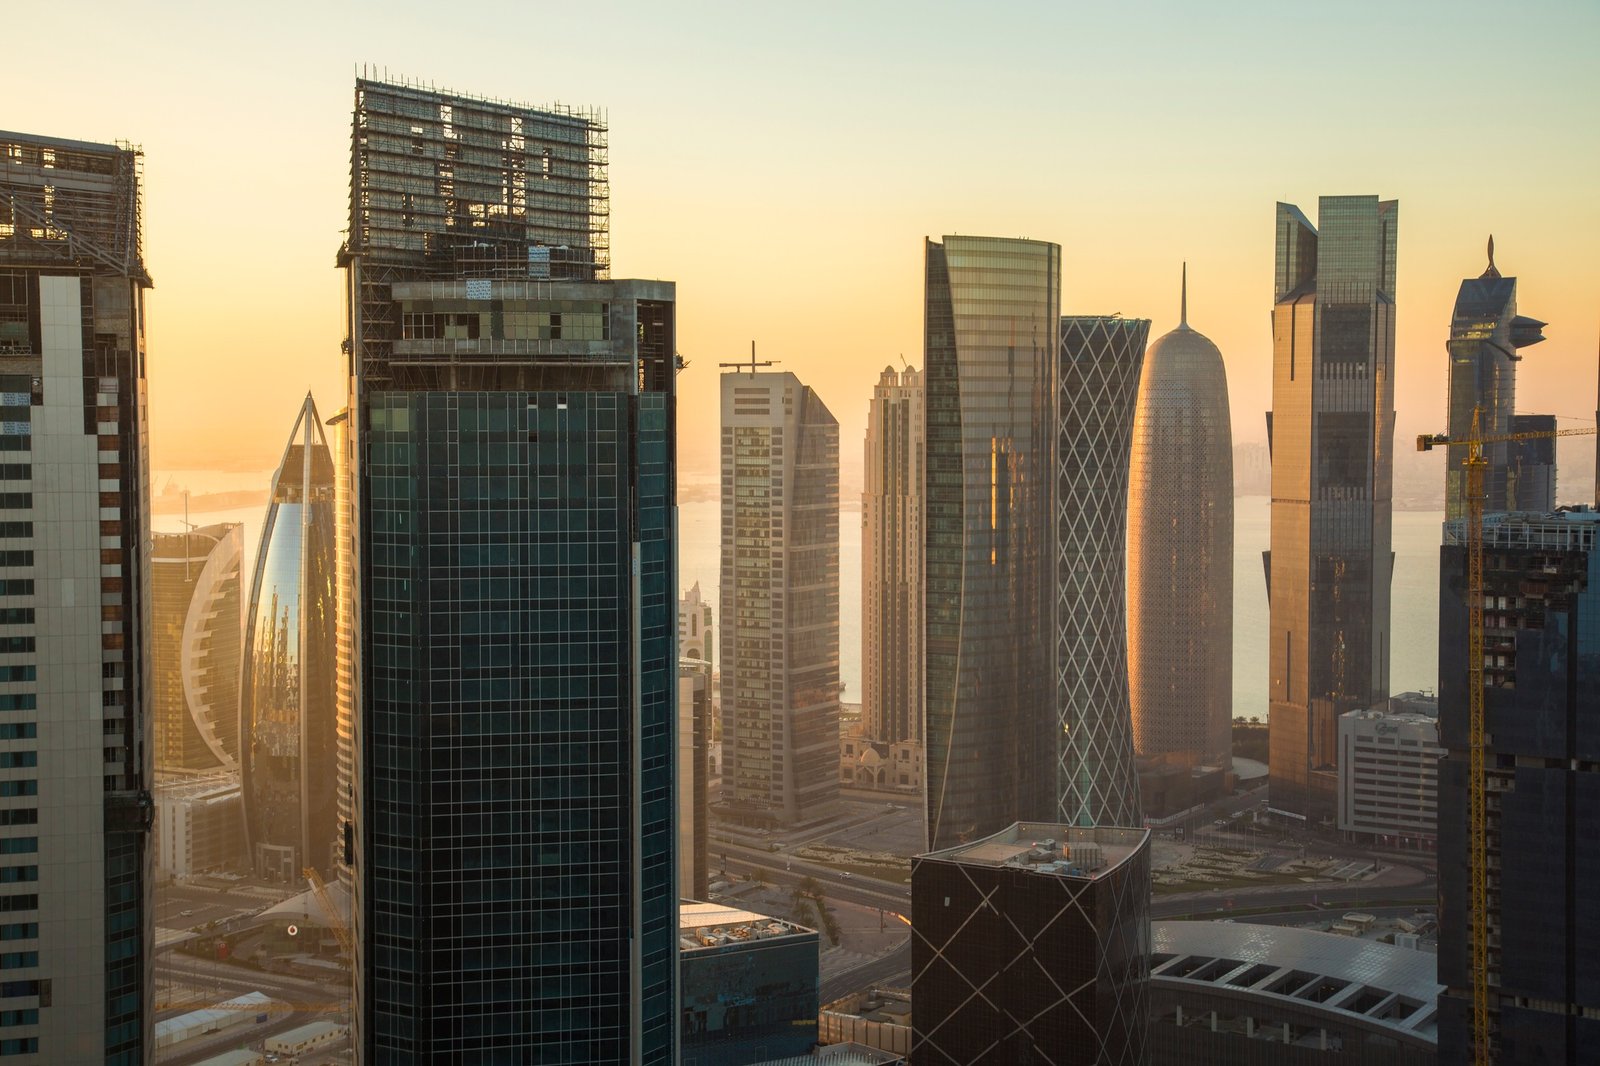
<point x="1097" y="385"/>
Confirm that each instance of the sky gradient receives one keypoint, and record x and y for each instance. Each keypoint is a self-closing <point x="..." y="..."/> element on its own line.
<point x="783" y="169"/>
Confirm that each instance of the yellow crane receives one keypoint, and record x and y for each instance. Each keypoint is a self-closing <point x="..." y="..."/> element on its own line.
<point x="336" y="922"/>
<point x="1477" y="781"/>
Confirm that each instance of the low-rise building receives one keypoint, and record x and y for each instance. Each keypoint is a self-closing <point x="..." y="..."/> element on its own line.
<point x="748" y="984"/>
<point x="1389" y="772"/>
<point x="199" y="824"/>
<point x="880" y="1018"/>
<point x="307" y="1038"/>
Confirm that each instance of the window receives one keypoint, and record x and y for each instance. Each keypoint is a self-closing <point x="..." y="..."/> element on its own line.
<point x="19" y="931"/>
<point x="13" y="874"/>
<point x="27" y="901"/>
<point x="16" y="960"/>
<point x="20" y="816"/>
<point x="11" y="760"/>
<point x="19" y="845"/>
<point x="19" y="788"/>
<point x="19" y="701"/>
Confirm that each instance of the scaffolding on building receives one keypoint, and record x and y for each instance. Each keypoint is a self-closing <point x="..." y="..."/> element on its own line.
<point x="72" y="201"/>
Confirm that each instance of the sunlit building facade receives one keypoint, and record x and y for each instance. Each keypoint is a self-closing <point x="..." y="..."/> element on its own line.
<point x="1097" y="380"/>
<point x="76" y="808"/>
<point x="513" y="422"/>
<point x="1180" y="553"/>
<point x="991" y="333"/>
<point x="195" y="640"/>
<point x="780" y="600"/>
<point x="287" y="718"/>
<point x="1331" y="431"/>
<point x="891" y="560"/>
<point x="1486" y="334"/>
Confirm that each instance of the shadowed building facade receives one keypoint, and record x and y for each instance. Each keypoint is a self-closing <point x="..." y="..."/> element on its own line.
<point x="1097" y="377"/>
<point x="75" y="607"/>
<point x="1486" y="334"/>
<point x="991" y="334"/>
<point x="512" y="420"/>
<point x="780" y="600"/>
<point x="1331" y="433"/>
<point x="1180" y="553"/>
<point x="287" y="718"/>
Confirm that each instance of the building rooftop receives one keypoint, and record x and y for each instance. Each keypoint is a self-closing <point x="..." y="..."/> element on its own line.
<point x="195" y="1021"/>
<point x="1378" y="984"/>
<point x="1046" y="848"/>
<point x="238" y="1057"/>
<point x="219" y="785"/>
<point x="710" y="925"/>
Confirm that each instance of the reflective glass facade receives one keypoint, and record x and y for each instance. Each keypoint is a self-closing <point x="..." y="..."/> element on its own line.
<point x="1331" y="432"/>
<point x="1180" y="554"/>
<point x="288" y="760"/>
<point x="1541" y="595"/>
<point x="991" y="332"/>
<point x="1098" y="384"/>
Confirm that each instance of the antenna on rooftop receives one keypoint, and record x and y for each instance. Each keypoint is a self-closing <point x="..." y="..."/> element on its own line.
<point x="752" y="364"/>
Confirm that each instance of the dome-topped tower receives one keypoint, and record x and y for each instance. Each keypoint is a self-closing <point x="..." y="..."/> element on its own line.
<point x="1180" y="551"/>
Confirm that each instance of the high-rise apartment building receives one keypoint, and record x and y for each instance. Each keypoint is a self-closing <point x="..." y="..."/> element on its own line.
<point x="75" y="605"/>
<point x="288" y="722"/>
<point x="1389" y="773"/>
<point x="891" y="560"/>
<point x="991" y="332"/>
<point x="195" y="638"/>
<point x="513" y="423"/>
<point x="1541" y="662"/>
<point x="780" y="599"/>
<point x="1180" y="553"/>
<point x="1097" y="381"/>
<point x="1032" y="945"/>
<point x="1485" y="335"/>
<point x="1331" y="431"/>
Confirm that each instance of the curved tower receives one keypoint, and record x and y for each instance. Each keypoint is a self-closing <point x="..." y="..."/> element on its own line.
<point x="1097" y="374"/>
<point x="1180" y="552"/>
<point x="195" y="578"/>
<point x="286" y="700"/>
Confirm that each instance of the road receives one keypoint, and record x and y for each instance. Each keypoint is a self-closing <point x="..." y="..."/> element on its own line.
<point x="892" y="971"/>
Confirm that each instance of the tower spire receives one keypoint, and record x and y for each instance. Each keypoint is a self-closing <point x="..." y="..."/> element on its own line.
<point x="1183" y="300"/>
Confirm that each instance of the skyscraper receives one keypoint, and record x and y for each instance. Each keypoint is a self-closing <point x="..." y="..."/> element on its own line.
<point x="780" y="599"/>
<point x="513" y="423"/>
<point x="1331" y="431"/>
<point x="1485" y="334"/>
<point x="195" y="639"/>
<point x="1180" y="552"/>
<point x="75" y="772"/>
<point x="991" y="332"/>
<point x="1541" y="655"/>
<point x="345" y="644"/>
<point x="287" y="718"/>
<point x="891" y="560"/>
<point x="1097" y="387"/>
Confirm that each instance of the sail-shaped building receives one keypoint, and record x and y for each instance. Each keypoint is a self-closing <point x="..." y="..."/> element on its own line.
<point x="287" y="722"/>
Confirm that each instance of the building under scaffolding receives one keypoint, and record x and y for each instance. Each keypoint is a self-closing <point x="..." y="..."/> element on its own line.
<point x="512" y="424"/>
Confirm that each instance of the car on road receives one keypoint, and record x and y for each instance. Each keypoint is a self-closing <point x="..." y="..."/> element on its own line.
<point x="186" y="914"/>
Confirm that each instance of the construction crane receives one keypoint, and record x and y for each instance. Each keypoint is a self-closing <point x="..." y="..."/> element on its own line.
<point x="341" y="931"/>
<point x="1477" y="780"/>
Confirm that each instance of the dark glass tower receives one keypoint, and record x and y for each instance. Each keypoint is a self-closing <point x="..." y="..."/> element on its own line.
<point x="288" y="759"/>
<point x="991" y="332"/>
<point x="1097" y="385"/>
<point x="1331" y="434"/>
<point x="513" y="425"/>
<point x="1541" y="594"/>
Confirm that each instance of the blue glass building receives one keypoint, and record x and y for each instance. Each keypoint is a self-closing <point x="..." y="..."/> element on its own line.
<point x="513" y="426"/>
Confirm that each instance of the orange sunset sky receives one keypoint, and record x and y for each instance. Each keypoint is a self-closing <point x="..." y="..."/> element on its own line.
<point x="782" y="164"/>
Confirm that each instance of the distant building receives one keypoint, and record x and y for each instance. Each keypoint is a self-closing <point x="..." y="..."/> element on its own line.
<point x="992" y="334"/>
<point x="1485" y="335"/>
<point x="780" y="600"/>
<point x="75" y="604"/>
<point x="694" y="777"/>
<point x="1052" y="923"/>
<point x="1531" y="465"/>
<point x="1180" y="553"/>
<point x="696" y="633"/>
<point x="287" y="718"/>
<point x="199" y="824"/>
<point x="195" y="620"/>
<point x="1235" y="994"/>
<point x="1389" y="773"/>
<point x="1331" y="431"/>
<point x="1541" y="654"/>
<point x="749" y="985"/>
<point x="1097" y="386"/>
<point x="891" y="561"/>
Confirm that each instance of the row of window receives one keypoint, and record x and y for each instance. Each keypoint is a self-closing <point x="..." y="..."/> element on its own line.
<point x="28" y="787"/>
<point x="16" y="960"/>
<point x="20" y="816"/>
<point x="19" y="701"/>
<point x="18" y="501"/>
<point x="16" y="586"/>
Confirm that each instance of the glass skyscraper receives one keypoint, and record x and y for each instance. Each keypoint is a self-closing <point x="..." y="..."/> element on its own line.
<point x="1180" y="553"/>
<point x="780" y="600"/>
<point x="287" y="721"/>
<point x="1097" y="382"/>
<point x="75" y="769"/>
<point x="1331" y="434"/>
<point x="991" y="333"/>
<point x="512" y="419"/>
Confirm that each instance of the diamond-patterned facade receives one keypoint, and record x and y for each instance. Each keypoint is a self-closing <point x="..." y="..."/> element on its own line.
<point x="1097" y="385"/>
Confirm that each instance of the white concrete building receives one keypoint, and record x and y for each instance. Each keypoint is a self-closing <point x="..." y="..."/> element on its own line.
<point x="199" y="824"/>
<point x="1388" y="772"/>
